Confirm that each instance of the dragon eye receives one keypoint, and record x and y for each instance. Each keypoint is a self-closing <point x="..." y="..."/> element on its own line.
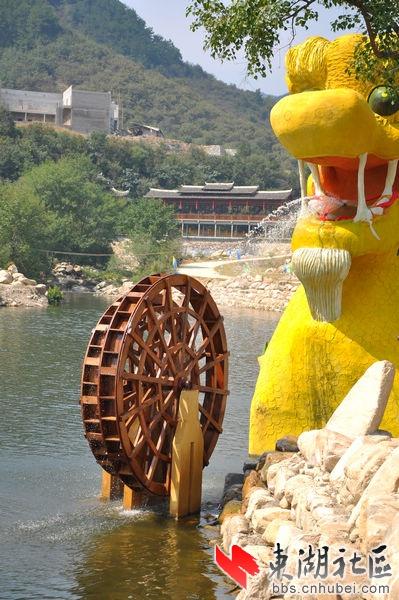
<point x="384" y="101"/>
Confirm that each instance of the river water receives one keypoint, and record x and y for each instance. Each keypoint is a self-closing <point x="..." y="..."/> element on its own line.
<point x="57" y="539"/>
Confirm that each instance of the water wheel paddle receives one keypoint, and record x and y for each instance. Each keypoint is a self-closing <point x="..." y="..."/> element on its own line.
<point x="165" y="334"/>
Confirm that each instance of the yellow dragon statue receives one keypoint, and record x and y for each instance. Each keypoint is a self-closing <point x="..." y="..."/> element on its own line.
<point x="345" y="316"/>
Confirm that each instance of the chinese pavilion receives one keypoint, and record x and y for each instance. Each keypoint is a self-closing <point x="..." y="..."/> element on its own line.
<point x="220" y="210"/>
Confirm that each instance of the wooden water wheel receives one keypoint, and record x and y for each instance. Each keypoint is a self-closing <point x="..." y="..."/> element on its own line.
<point x="165" y="334"/>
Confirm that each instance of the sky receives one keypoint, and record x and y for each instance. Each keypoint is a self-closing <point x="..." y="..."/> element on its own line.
<point x="167" y="18"/>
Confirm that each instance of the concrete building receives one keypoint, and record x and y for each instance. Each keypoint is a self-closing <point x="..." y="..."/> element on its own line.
<point x="78" y="110"/>
<point x="220" y="210"/>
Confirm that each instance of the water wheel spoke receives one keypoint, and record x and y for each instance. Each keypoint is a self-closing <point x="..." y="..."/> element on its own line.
<point x="162" y="338"/>
<point x="147" y="349"/>
<point x="210" y="419"/>
<point x="167" y="381"/>
<point x="153" y="466"/>
<point x="169" y="305"/>
<point x="159" y="455"/>
<point x="193" y="332"/>
<point x="209" y="365"/>
<point x="184" y="315"/>
<point x="211" y="390"/>
<point x="197" y="356"/>
<point x="135" y="410"/>
<point x="199" y="351"/>
<point x="129" y="395"/>
<point x="134" y="355"/>
<point x="146" y="439"/>
<point x="164" y="406"/>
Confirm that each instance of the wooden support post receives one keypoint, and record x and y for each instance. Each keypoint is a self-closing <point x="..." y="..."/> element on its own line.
<point x="131" y="498"/>
<point x="187" y="458"/>
<point x="111" y="487"/>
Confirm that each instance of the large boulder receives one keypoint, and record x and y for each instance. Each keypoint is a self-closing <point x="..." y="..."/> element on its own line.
<point x="5" y="277"/>
<point x="259" y="499"/>
<point x="261" y="553"/>
<point x="362" y="409"/>
<point x="272" y="531"/>
<point x="375" y="521"/>
<point x="258" y="587"/>
<point x="284" y="474"/>
<point x="20" y="278"/>
<point x="323" y="448"/>
<point x="338" y="473"/>
<point x="289" y="443"/>
<point x="231" y="507"/>
<point x="286" y="533"/>
<point x="262" y="517"/>
<point x="364" y="464"/>
<point x="40" y="289"/>
<point x="299" y="481"/>
<point x="384" y="482"/>
<point x="12" y="268"/>
<point x="232" y="526"/>
<point x="251" y="481"/>
<point x="273" y="458"/>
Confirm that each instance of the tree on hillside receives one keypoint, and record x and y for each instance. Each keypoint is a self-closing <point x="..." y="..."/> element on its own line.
<point x="85" y="218"/>
<point x="24" y="22"/>
<point x="154" y="233"/>
<point x="7" y="125"/>
<point x="24" y="224"/>
<point x="56" y="206"/>
<point x="256" y="27"/>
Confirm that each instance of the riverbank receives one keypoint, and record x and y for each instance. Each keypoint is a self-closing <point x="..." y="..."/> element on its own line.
<point x="263" y="283"/>
<point x="329" y="495"/>
<point x="18" y="290"/>
<point x="269" y="292"/>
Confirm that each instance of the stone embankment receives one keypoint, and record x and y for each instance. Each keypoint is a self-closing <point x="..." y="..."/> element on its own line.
<point x="334" y="493"/>
<point x="269" y="292"/>
<point x="18" y="290"/>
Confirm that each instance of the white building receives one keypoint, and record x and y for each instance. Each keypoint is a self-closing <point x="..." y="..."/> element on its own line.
<point x="78" y="110"/>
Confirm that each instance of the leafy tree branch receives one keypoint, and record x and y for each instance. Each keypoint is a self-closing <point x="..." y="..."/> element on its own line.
<point x="256" y="27"/>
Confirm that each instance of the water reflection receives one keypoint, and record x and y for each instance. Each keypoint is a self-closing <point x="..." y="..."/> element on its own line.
<point x="57" y="540"/>
<point x="155" y="558"/>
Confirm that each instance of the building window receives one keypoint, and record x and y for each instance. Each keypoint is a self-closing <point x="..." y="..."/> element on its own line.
<point x="207" y="230"/>
<point x="223" y="231"/>
<point x="190" y="230"/>
<point x="240" y="230"/>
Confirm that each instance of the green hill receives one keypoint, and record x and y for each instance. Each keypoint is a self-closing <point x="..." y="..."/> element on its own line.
<point x="103" y="45"/>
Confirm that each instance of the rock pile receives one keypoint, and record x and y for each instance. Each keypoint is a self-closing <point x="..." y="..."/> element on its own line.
<point x="337" y="497"/>
<point x="104" y="288"/>
<point x="18" y="290"/>
<point x="71" y="277"/>
<point x="272" y="291"/>
<point x="269" y="292"/>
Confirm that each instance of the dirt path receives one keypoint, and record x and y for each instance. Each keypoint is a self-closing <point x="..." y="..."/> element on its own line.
<point x="213" y="269"/>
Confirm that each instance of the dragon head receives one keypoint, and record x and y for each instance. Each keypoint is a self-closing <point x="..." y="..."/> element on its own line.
<point x="347" y="131"/>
